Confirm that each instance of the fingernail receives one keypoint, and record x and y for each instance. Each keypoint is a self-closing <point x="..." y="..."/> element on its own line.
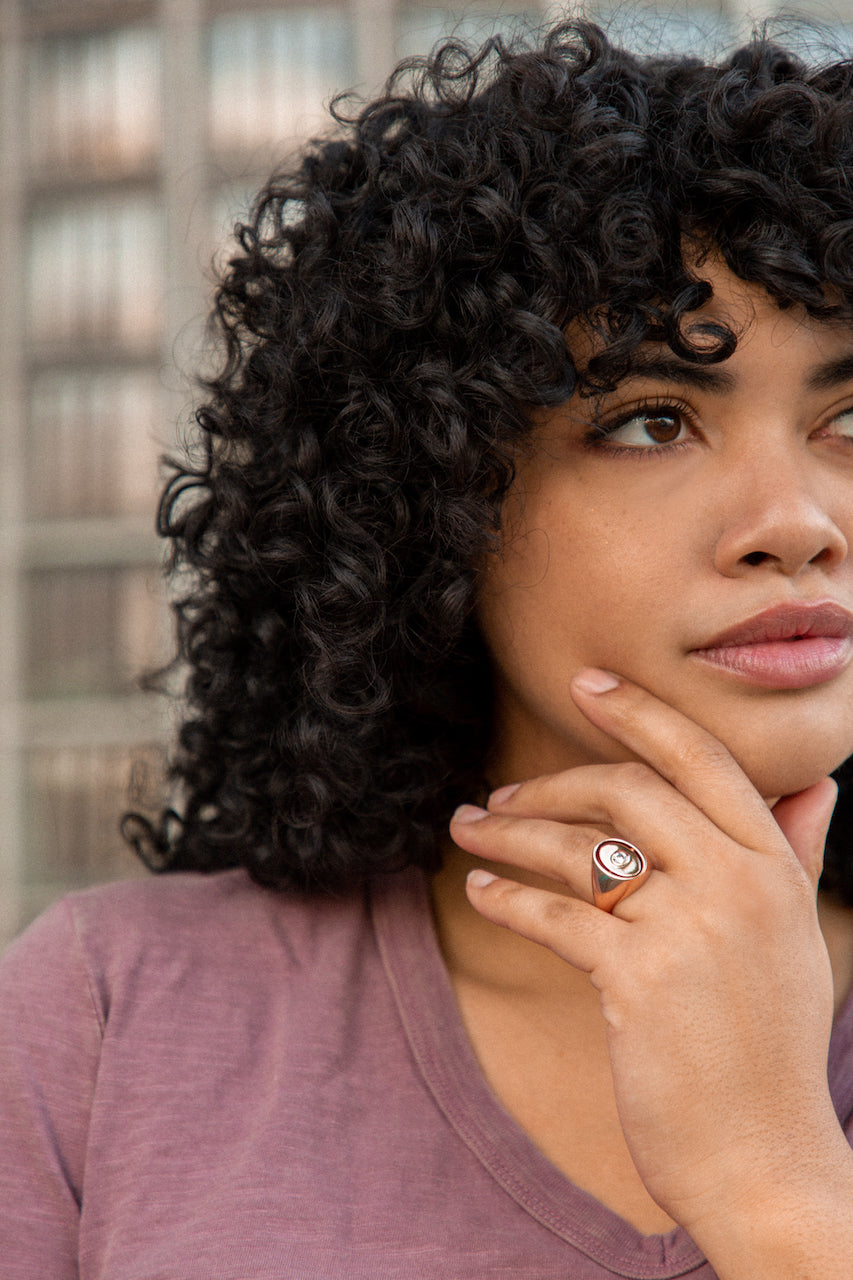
<point x="469" y="813"/>
<point x="480" y="878"/>
<point x="504" y="793"/>
<point x="594" y="680"/>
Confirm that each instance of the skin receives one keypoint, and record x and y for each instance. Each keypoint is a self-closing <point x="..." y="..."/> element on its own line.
<point x="670" y="1057"/>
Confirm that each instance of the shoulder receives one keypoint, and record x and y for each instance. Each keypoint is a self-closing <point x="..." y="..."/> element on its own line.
<point x="185" y="912"/>
<point x="177" y="932"/>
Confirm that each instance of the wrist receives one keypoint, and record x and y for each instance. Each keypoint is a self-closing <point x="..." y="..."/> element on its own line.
<point x="796" y="1226"/>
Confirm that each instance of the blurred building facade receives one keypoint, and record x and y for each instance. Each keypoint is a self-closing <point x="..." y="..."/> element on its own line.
<point x="131" y="133"/>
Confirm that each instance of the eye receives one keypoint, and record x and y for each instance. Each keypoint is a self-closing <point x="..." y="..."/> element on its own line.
<point x="842" y="424"/>
<point x="646" y="427"/>
<point x="838" y="428"/>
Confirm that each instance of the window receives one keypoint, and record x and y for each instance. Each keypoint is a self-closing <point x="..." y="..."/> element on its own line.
<point x="272" y="73"/>
<point x="95" y="101"/>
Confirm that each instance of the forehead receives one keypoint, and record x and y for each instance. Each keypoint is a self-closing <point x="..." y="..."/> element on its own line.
<point x="738" y="314"/>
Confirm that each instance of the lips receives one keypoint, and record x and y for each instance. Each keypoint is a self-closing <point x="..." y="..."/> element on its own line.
<point x="791" y="646"/>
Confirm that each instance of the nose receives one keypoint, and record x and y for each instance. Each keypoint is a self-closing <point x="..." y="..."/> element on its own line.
<point x="778" y="520"/>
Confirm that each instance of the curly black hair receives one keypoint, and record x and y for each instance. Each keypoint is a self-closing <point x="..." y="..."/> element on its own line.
<point x="397" y="304"/>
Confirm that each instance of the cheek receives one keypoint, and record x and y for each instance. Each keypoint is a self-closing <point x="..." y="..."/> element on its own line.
<point x="779" y="766"/>
<point x="523" y="565"/>
<point x="539" y="631"/>
<point x="597" y="590"/>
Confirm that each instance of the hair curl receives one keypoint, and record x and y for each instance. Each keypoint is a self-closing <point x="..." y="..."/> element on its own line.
<point x="397" y="305"/>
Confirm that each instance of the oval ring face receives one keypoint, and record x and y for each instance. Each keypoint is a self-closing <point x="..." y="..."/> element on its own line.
<point x="618" y="868"/>
<point x="619" y="859"/>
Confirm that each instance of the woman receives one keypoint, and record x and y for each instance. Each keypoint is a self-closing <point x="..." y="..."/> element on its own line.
<point x="527" y="488"/>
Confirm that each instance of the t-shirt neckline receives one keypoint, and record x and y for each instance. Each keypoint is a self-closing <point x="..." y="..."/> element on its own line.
<point x="426" y="1001"/>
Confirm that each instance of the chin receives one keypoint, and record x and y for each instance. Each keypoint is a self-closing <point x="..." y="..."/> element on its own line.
<point x="783" y="745"/>
<point x="785" y="774"/>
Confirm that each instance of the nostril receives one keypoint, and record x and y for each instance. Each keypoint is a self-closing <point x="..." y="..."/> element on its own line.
<point x="755" y="557"/>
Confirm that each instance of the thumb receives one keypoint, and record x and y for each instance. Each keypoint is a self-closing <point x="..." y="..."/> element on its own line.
<point x="804" y="819"/>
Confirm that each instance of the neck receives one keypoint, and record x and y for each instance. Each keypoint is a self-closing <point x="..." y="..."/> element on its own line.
<point x="475" y="950"/>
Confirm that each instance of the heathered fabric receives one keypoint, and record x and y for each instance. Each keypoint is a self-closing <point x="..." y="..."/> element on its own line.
<point x="202" y="1080"/>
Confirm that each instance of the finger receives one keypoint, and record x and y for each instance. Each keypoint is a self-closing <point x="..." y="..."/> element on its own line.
<point x="557" y="850"/>
<point x="681" y="751"/>
<point x="804" y="820"/>
<point x="577" y="932"/>
<point x="629" y="800"/>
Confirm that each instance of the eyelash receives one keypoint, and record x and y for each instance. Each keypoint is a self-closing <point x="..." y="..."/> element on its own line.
<point x="601" y="431"/>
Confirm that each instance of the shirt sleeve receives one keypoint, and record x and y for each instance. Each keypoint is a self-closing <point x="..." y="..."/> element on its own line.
<point x="50" y="1038"/>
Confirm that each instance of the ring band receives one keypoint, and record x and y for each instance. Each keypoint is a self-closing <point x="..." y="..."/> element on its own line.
<point x="618" y="868"/>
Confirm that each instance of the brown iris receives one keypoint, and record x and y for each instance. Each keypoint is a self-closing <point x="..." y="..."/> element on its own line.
<point x="663" y="428"/>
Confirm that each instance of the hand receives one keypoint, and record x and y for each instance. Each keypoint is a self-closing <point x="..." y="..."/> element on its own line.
<point x="713" y="977"/>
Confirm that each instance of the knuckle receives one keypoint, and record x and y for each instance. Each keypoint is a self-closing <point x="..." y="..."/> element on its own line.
<point x="504" y="891"/>
<point x="705" y="756"/>
<point x="554" y="910"/>
<point x="503" y="902"/>
<point x="635" y="777"/>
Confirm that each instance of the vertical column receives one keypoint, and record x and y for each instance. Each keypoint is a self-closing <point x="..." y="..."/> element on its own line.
<point x="185" y="198"/>
<point x="12" y="416"/>
<point x="374" y="22"/>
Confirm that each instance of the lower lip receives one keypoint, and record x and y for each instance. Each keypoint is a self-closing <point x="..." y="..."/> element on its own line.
<point x="783" y="664"/>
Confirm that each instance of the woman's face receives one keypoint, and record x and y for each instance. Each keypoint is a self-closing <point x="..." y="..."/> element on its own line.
<point x="721" y="492"/>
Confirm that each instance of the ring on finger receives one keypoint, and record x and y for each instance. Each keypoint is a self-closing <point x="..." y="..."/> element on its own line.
<point x="618" y="868"/>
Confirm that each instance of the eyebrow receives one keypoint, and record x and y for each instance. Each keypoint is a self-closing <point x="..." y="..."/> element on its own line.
<point x="832" y="373"/>
<point x="670" y="369"/>
<point x="824" y="377"/>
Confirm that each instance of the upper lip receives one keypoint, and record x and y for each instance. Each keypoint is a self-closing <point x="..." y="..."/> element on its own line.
<point x="787" y="622"/>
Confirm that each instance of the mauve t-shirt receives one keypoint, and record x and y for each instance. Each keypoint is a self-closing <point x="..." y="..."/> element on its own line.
<point x="204" y="1080"/>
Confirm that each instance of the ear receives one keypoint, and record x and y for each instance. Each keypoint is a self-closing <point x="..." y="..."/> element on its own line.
<point x="804" y="820"/>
